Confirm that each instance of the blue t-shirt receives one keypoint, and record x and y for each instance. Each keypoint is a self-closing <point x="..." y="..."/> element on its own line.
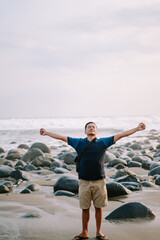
<point x="91" y="165"/>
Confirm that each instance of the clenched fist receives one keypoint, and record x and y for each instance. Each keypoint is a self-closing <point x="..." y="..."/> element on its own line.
<point x="141" y="127"/>
<point x="43" y="132"/>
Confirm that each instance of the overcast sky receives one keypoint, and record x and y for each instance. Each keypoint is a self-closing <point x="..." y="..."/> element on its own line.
<point x="79" y="58"/>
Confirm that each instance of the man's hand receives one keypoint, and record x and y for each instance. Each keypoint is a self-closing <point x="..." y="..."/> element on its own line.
<point x="141" y="127"/>
<point x="43" y="132"/>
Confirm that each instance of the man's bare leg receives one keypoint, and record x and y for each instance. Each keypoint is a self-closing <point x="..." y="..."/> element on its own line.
<point x="85" y="221"/>
<point x="98" y="216"/>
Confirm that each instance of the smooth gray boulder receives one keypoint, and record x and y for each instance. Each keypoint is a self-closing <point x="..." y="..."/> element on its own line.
<point x="1" y="150"/>
<point x="14" y="154"/>
<point x="5" y="171"/>
<point x="20" y="163"/>
<point x="115" y="189"/>
<point x="55" y="165"/>
<point x="69" y="157"/>
<point x="130" y="211"/>
<point x="127" y="179"/>
<point x="43" y="147"/>
<point x="60" y="170"/>
<point x="136" y="146"/>
<point x="132" y="186"/>
<point x="4" y="189"/>
<point x="116" y="161"/>
<point x="31" y="154"/>
<point x="29" y="167"/>
<point x="25" y="191"/>
<point x="109" y="157"/>
<point x="67" y="182"/>
<point x="146" y="164"/>
<point x="34" y="187"/>
<point x="154" y="165"/>
<point x="18" y="174"/>
<point x="64" y="193"/>
<point x="8" y="184"/>
<point x="157" y="154"/>
<point x="134" y="164"/>
<point x="23" y="146"/>
<point x="157" y="182"/>
<point x="154" y="171"/>
<point x="147" y="184"/>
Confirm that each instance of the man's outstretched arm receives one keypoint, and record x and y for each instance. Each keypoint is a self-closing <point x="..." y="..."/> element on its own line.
<point x="43" y="132"/>
<point x="140" y="127"/>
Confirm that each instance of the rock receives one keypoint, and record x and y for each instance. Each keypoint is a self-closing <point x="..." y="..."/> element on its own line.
<point x="154" y="165"/>
<point x="116" y="161"/>
<point x="29" y="167"/>
<point x="147" y="184"/>
<point x="9" y="163"/>
<point x="157" y="154"/>
<point x="131" y="210"/>
<point x="119" y="166"/>
<point x="130" y="154"/>
<point x="14" y="154"/>
<point x="128" y="179"/>
<point x="126" y="158"/>
<point x="115" y="189"/>
<point x="31" y="215"/>
<point x="41" y="161"/>
<point x="60" y="170"/>
<point x="134" y="164"/>
<point x="18" y="174"/>
<point x="20" y="163"/>
<point x="5" y="171"/>
<point x="46" y="163"/>
<point x="136" y="146"/>
<point x="26" y="190"/>
<point x="157" y="182"/>
<point x="34" y="187"/>
<point x="158" y="147"/>
<point x="8" y="184"/>
<point x="122" y="173"/>
<point x="132" y="186"/>
<point x="4" y="189"/>
<point x="69" y="157"/>
<point x="64" y="193"/>
<point x="23" y="146"/>
<point x="65" y="166"/>
<point x="31" y="154"/>
<point x="140" y="158"/>
<point x="54" y="165"/>
<point x="109" y="157"/>
<point x="154" y="171"/>
<point x="156" y="159"/>
<point x="41" y="146"/>
<point x="146" y="164"/>
<point x="18" y="181"/>
<point x="67" y="182"/>
<point x="1" y="150"/>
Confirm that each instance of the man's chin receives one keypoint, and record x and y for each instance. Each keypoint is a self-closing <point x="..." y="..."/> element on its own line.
<point x="92" y="134"/>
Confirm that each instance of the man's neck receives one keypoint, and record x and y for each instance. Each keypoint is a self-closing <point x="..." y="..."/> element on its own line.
<point x="90" y="137"/>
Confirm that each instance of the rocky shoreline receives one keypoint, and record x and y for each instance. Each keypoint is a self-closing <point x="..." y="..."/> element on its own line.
<point x="130" y="168"/>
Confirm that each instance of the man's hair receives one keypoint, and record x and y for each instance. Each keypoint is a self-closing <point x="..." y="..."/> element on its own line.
<point x="88" y="124"/>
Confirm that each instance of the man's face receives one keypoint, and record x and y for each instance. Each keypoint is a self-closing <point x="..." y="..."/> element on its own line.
<point x="91" y="129"/>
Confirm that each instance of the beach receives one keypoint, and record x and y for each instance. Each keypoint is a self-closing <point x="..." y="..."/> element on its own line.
<point x="40" y="214"/>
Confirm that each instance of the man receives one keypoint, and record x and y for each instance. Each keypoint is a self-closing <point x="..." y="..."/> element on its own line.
<point x="92" y="185"/>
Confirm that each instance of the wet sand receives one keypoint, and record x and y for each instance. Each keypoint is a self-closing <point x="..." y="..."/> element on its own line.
<point x="59" y="218"/>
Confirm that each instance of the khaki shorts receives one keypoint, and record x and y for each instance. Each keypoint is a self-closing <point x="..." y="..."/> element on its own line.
<point x="92" y="190"/>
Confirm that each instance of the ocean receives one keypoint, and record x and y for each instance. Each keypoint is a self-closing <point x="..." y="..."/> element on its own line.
<point x="17" y="131"/>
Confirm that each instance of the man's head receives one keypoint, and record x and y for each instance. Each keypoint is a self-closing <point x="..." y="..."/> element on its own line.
<point x="91" y="129"/>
